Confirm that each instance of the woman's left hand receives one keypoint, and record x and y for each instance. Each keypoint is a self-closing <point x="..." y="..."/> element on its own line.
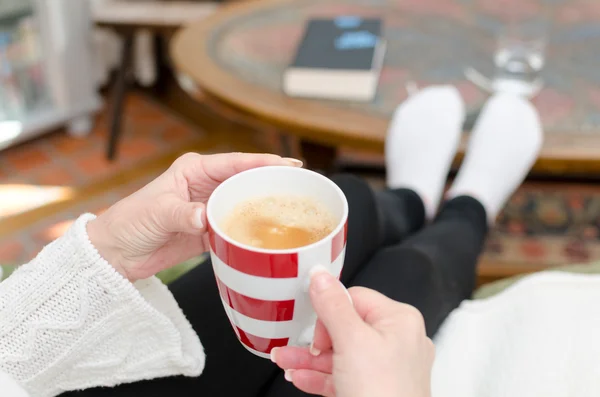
<point x="164" y="223"/>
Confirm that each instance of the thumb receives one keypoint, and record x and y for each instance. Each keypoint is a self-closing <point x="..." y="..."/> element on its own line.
<point x="187" y="218"/>
<point x="334" y="308"/>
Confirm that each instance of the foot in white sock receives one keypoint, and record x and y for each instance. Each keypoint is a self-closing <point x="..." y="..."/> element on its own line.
<point x="504" y="145"/>
<point x="421" y="143"/>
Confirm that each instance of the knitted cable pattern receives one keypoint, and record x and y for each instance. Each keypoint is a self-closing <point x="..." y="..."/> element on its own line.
<point x="69" y="321"/>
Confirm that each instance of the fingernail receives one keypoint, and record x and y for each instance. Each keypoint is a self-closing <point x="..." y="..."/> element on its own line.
<point x="320" y="278"/>
<point x="313" y="350"/>
<point x="198" y="218"/>
<point x="294" y="162"/>
<point x="349" y="296"/>
<point x="317" y="269"/>
<point x="273" y="352"/>
<point x="288" y="374"/>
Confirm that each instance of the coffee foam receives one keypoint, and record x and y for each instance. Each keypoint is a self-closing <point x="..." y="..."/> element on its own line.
<point x="303" y="218"/>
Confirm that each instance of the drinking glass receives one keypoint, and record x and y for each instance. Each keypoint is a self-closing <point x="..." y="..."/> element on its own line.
<point x="518" y="59"/>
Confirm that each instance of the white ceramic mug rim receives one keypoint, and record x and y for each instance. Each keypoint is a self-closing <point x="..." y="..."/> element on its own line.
<point x="217" y="229"/>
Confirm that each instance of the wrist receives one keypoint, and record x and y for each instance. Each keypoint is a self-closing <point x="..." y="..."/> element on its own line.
<point x="100" y="238"/>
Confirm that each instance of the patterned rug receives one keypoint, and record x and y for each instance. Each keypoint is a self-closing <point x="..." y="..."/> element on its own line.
<point x="548" y="225"/>
<point x="545" y="224"/>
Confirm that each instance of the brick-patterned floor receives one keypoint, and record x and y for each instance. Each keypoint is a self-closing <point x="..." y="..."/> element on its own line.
<point x="58" y="160"/>
<point x="24" y="244"/>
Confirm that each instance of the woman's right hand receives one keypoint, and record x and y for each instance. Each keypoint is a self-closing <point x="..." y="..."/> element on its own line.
<point x="367" y="346"/>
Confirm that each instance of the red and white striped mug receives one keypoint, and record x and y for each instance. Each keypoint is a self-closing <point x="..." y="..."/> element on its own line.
<point x="264" y="292"/>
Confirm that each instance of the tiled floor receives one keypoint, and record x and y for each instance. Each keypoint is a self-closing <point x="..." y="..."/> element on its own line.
<point x="40" y="172"/>
<point x="46" y="183"/>
<point x="58" y="159"/>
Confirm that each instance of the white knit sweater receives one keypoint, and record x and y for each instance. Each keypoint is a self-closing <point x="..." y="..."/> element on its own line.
<point x="69" y="321"/>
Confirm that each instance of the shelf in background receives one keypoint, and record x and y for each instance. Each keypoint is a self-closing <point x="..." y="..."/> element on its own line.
<point x="43" y="41"/>
<point x="44" y="119"/>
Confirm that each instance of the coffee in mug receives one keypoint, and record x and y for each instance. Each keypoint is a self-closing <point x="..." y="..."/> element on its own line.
<point x="279" y="222"/>
<point x="254" y="218"/>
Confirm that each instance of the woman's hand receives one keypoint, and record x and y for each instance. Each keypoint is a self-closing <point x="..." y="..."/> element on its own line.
<point x="363" y="347"/>
<point x="164" y="223"/>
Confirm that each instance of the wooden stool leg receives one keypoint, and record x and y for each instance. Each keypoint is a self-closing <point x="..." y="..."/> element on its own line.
<point x="162" y="67"/>
<point x="319" y="157"/>
<point x="119" y="95"/>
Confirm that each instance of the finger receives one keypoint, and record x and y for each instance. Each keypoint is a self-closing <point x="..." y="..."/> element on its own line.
<point x="184" y="217"/>
<point x="336" y="312"/>
<point x="430" y="349"/>
<point x="373" y="308"/>
<point x="300" y="358"/>
<point x="379" y="311"/>
<point x="220" y="167"/>
<point x="176" y="251"/>
<point x="312" y="382"/>
<point x="321" y="340"/>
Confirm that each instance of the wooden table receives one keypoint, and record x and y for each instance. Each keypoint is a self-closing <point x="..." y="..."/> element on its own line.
<point x="238" y="55"/>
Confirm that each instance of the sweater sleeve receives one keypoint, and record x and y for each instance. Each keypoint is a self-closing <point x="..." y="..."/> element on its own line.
<point x="69" y="321"/>
<point x="10" y="388"/>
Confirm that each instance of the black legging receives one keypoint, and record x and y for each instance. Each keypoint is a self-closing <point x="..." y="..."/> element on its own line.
<point x="388" y="250"/>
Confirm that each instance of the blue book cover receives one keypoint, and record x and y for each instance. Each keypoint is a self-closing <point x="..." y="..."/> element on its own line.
<point x="346" y="42"/>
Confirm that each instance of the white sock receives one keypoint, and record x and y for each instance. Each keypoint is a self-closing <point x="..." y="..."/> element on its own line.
<point x="421" y="143"/>
<point x="504" y="145"/>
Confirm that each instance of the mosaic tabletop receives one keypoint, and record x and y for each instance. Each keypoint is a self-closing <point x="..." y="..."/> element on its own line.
<point x="432" y="42"/>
